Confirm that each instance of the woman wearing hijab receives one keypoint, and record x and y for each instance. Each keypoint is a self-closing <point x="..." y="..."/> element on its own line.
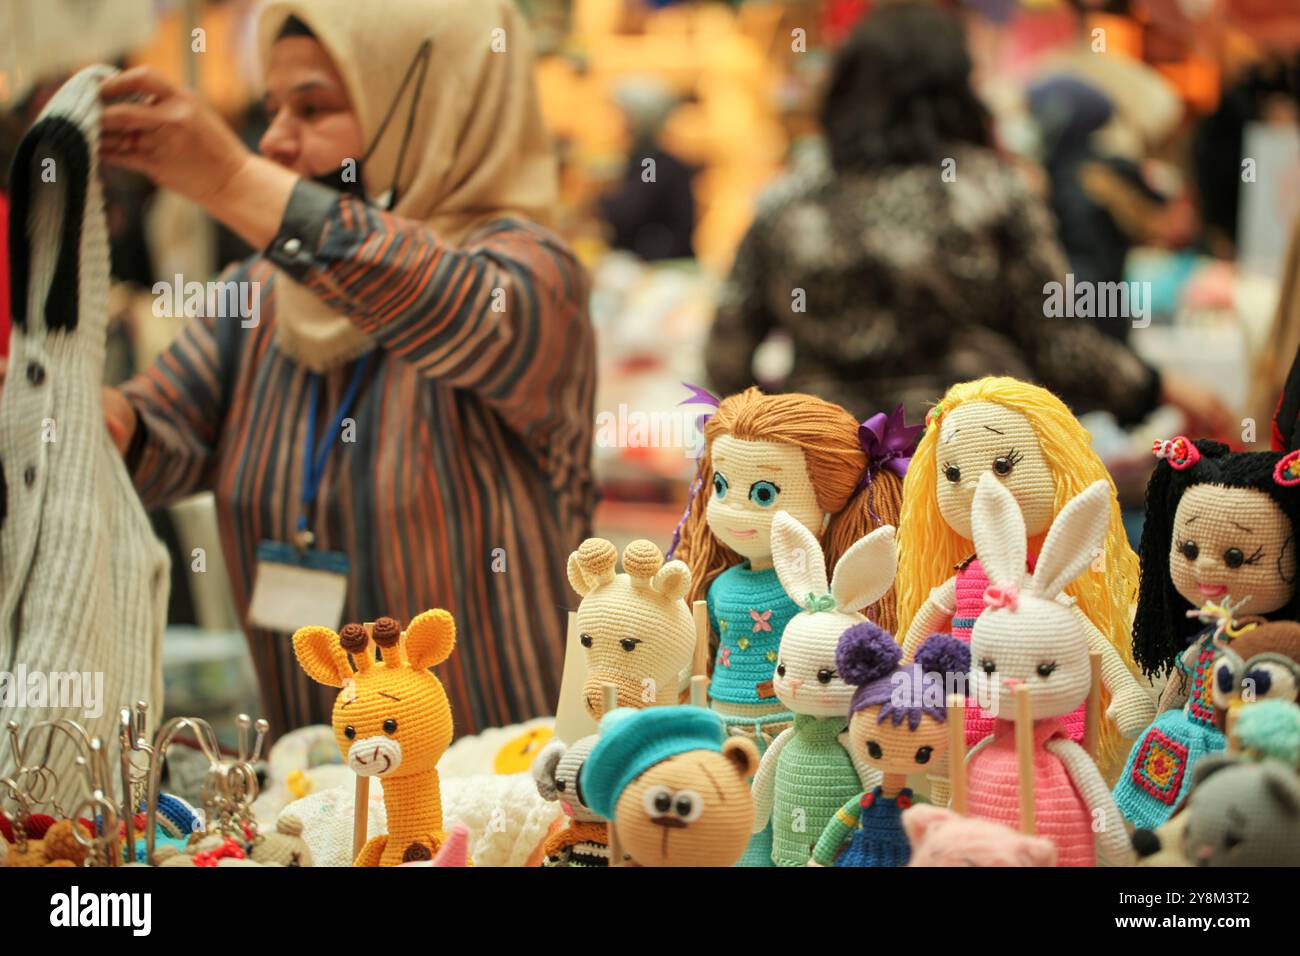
<point x="413" y="402"/>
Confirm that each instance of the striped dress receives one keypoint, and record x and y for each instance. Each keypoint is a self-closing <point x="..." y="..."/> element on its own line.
<point x="468" y="481"/>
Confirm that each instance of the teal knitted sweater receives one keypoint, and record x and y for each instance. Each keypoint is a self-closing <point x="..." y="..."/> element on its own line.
<point x="748" y="610"/>
<point x="814" y="778"/>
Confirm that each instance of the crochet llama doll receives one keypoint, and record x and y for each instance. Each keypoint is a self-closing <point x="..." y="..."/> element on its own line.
<point x="1220" y="527"/>
<point x="898" y="725"/>
<point x="1026" y="637"/>
<point x="675" y="785"/>
<point x="584" y="839"/>
<point x="1029" y="441"/>
<point x="808" y="774"/>
<point x="391" y="720"/>
<point x="638" y="632"/>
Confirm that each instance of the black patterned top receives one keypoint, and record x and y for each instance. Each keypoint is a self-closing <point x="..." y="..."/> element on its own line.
<point x="895" y="285"/>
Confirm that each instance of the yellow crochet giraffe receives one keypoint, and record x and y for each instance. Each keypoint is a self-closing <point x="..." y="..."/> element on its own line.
<point x="391" y="720"/>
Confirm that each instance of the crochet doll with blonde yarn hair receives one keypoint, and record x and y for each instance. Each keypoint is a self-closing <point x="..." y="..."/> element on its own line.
<point x="1027" y="438"/>
<point x="391" y="720"/>
<point x="809" y="458"/>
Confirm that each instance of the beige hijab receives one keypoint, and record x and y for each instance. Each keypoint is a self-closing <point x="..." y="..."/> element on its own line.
<point x="478" y="150"/>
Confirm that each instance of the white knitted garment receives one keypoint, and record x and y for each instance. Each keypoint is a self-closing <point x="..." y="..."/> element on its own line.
<point x="83" y="580"/>
<point x="506" y="817"/>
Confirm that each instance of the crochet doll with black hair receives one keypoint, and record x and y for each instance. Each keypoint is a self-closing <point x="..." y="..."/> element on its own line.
<point x="1221" y="531"/>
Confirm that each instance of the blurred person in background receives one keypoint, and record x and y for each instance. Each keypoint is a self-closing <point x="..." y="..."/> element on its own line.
<point x="651" y="210"/>
<point x="919" y="258"/>
<point x="1103" y="205"/>
<point x="466" y="482"/>
<point x="1263" y="92"/>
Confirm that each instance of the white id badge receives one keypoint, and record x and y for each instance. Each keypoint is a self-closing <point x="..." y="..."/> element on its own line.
<point x="294" y="588"/>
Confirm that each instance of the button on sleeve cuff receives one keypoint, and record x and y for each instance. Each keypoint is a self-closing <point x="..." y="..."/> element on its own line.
<point x="294" y="247"/>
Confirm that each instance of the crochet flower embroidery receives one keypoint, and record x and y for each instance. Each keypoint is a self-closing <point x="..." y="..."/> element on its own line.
<point x="724" y="654"/>
<point x="762" y="622"/>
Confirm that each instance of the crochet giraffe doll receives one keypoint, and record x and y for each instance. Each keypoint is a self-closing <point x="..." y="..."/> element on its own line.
<point x="391" y="720"/>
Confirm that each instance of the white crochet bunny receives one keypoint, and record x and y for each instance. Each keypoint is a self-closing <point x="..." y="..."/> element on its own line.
<point x="1027" y="636"/>
<point x="807" y="774"/>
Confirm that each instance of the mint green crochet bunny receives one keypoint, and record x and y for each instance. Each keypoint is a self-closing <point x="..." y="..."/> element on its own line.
<point x="808" y="774"/>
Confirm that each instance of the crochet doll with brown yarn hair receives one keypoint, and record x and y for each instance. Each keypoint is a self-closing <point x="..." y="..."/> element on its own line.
<point x="1220" y="527"/>
<point x="764" y="453"/>
<point x="391" y="720"/>
<point x="1030" y="442"/>
<point x="638" y="632"/>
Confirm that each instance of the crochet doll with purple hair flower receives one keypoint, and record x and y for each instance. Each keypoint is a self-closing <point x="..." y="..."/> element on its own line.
<point x="898" y="725"/>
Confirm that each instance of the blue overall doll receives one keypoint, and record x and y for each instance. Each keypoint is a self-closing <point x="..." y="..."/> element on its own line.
<point x="898" y="725"/>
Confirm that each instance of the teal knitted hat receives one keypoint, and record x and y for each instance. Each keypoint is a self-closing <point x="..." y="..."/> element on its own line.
<point x="1271" y="728"/>
<point x="633" y="741"/>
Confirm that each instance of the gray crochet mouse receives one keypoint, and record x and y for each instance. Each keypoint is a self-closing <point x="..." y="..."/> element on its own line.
<point x="584" y="840"/>
<point x="1243" y="813"/>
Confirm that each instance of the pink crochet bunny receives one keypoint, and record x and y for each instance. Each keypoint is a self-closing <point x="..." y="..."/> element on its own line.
<point x="1028" y="636"/>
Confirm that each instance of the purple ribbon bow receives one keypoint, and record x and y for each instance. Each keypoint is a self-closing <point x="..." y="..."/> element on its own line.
<point x="700" y="396"/>
<point x="888" y="442"/>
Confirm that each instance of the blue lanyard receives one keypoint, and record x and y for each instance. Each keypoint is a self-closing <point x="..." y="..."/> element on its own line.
<point x="313" y="462"/>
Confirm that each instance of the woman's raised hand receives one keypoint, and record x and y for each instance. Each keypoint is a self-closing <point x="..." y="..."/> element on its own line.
<point x="169" y="134"/>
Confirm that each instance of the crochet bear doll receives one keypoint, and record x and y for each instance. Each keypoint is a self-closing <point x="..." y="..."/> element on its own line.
<point x="674" y="784"/>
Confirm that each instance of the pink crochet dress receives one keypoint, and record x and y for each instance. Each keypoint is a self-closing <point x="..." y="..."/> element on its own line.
<point x="971" y="582"/>
<point x="1060" y="813"/>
